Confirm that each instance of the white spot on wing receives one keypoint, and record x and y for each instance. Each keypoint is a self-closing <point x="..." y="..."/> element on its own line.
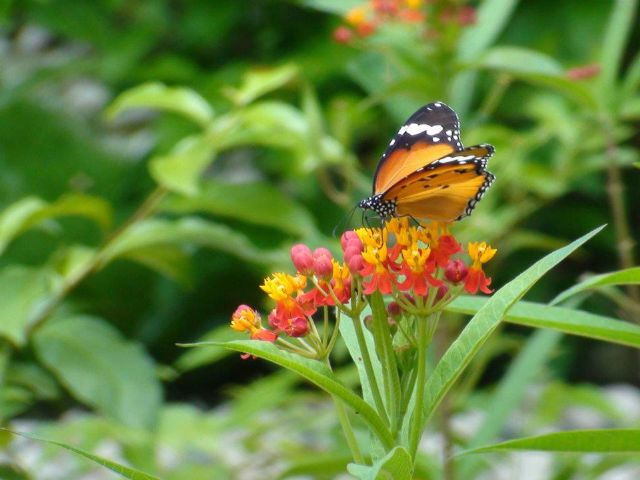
<point x="418" y="128"/>
<point x="459" y="158"/>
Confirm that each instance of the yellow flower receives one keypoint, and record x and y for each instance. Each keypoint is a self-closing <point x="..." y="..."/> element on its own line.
<point x="244" y="319"/>
<point x="480" y="252"/>
<point x="416" y="257"/>
<point x="340" y="274"/>
<point x="356" y="16"/>
<point x="281" y="286"/>
<point x="414" y="4"/>
<point x="375" y="247"/>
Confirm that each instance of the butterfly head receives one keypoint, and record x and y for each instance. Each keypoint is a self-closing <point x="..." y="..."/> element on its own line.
<point x="384" y="208"/>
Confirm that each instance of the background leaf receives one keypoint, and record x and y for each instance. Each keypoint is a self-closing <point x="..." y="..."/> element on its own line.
<point x="596" y="441"/>
<point x="156" y="95"/>
<point x="99" y="367"/>
<point x="123" y="471"/>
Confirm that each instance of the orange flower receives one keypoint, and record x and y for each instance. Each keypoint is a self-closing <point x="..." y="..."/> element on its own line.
<point x="376" y="261"/>
<point x="480" y="253"/>
<point x="246" y="319"/>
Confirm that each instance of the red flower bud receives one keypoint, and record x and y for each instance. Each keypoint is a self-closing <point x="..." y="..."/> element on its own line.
<point x="583" y="72"/>
<point x="343" y="35"/>
<point x="302" y="258"/>
<point x="366" y="29"/>
<point x="394" y="309"/>
<point x="322" y="266"/>
<point x="296" y="327"/>
<point x="442" y="291"/>
<point x="455" y="271"/>
<point x="467" y="16"/>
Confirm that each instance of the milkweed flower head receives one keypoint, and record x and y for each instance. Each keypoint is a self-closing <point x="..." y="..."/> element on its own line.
<point x="417" y="268"/>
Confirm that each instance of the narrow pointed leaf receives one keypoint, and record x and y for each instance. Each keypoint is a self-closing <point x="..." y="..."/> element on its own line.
<point x="567" y="320"/>
<point x="629" y="276"/>
<point x="126" y="472"/>
<point x="464" y="348"/>
<point x="583" y="441"/>
<point x="510" y="391"/>
<point x="315" y="372"/>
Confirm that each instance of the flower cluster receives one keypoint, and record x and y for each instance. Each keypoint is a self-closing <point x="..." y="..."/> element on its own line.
<point x="365" y="19"/>
<point x="415" y="265"/>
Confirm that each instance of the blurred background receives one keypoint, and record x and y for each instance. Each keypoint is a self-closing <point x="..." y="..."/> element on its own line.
<point x="221" y="133"/>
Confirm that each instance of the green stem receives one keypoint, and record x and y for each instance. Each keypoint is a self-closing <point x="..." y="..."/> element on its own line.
<point x="146" y="209"/>
<point x="424" y="337"/>
<point x="416" y="423"/>
<point x="347" y="429"/>
<point x="384" y="344"/>
<point x="368" y="368"/>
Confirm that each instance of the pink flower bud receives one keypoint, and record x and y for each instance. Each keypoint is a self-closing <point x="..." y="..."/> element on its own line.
<point x="355" y="263"/>
<point x="302" y="258"/>
<point x="455" y="271"/>
<point x="342" y="34"/>
<point x="346" y="237"/>
<point x="322" y="266"/>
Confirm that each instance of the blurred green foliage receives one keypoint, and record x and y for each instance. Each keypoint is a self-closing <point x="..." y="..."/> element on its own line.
<point x="159" y="158"/>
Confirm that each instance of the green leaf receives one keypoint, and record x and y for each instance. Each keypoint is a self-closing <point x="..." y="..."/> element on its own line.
<point x="493" y="16"/>
<point x="188" y="230"/>
<point x="338" y="7"/>
<point x="78" y="205"/>
<point x="583" y="441"/>
<point x="22" y="291"/>
<point x="126" y="472"/>
<point x="318" y="465"/>
<point x="180" y="170"/>
<point x="533" y="67"/>
<point x="396" y="465"/>
<point x="180" y="100"/>
<point x="315" y="372"/>
<point x="510" y="392"/>
<point x="519" y="60"/>
<point x="629" y="276"/>
<point x="16" y="218"/>
<point x="621" y="21"/>
<point x="198" y="357"/>
<point x="257" y="83"/>
<point x="255" y="202"/>
<point x="567" y="320"/>
<point x="464" y="348"/>
<point x="348" y="334"/>
<point x="100" y="368"/>
<point x="168" y="260"/>
<point x="32" y="211"/>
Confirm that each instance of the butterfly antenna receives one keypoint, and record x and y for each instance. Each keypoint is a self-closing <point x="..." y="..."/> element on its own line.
<point x="346" y="220"/>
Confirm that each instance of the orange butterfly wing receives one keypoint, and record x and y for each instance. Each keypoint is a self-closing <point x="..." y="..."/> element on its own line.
<point x="445" y="190"/>
<point x="426" y="173"/>
<point x="429" y="134"/>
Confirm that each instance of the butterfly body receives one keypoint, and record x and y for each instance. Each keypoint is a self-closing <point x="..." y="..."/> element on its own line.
<point x="426" y="172"/>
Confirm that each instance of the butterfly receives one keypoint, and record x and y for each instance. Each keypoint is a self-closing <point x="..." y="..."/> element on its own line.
<point x="426" y="173"/>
